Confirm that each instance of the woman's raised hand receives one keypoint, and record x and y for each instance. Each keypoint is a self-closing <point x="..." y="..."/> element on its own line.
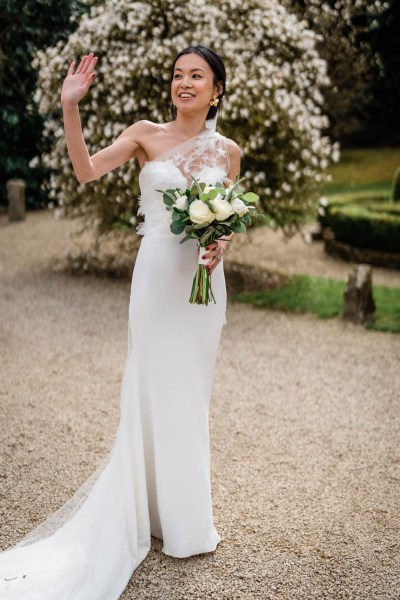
<point x="76" y="85"/>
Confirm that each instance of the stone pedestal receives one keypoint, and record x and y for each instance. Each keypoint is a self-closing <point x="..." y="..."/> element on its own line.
<point x="16" y="199"/>
<point x="359" y="305"/>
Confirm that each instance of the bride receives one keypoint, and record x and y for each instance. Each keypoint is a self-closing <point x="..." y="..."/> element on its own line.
<point x="156" y="479"/>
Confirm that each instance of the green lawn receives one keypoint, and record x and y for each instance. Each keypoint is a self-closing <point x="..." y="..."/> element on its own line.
<point x="324" y="298"/>
<point x="364" y="169"/>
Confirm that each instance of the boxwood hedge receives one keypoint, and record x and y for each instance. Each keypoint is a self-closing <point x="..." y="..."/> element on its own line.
<point x="363" y="220"/>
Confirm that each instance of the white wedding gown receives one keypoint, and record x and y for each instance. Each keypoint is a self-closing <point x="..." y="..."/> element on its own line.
<point x="156" y="479"/>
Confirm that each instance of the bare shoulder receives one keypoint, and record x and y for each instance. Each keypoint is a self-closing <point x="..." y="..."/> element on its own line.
<point x="142" y="127"/>
<point x="233" y="149"/>
<point x="141" y="137"/>
<point x="235" y="153"/>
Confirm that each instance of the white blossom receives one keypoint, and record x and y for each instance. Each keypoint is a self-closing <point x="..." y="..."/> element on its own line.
<point x="271" y="108"/>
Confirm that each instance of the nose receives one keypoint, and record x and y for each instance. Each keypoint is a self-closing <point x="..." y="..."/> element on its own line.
<point x="185" y="82"/>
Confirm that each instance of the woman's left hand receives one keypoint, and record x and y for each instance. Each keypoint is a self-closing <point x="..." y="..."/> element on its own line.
<point x="213" y="252"/>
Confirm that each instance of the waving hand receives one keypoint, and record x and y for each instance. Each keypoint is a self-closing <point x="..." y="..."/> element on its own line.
<point x="76" y="85"/>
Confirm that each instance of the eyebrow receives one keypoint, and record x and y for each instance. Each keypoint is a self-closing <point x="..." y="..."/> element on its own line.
<point x="191" y="70"/>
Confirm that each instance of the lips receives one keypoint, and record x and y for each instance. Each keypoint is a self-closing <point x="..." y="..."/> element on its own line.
<point x="185" y="95"/>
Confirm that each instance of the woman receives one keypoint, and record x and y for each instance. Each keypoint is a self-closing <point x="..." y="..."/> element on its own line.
<point x="156" y="479"/>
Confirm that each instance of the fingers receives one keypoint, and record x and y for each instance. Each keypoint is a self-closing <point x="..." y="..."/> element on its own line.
<point x="213" y="264"/>
<point x="91" y="64"/>
<point x="87" y="64"/>
<point x="81" y="65"/>
<point x="71" y="68"/>
<point x="214" y="254"/>
<point x="212" y="250"/>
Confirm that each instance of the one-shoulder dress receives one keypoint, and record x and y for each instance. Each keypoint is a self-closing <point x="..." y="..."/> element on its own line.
<point x="156" y="478"/>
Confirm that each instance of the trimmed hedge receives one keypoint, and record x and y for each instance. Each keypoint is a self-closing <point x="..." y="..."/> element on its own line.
<point x="363" y="221"/>
<point x="395" y="196"/>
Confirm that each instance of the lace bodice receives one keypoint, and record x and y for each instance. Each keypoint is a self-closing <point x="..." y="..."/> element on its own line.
<point x="205" y="156"/>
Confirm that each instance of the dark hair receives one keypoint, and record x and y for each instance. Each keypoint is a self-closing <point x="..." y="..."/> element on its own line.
<point x="217" y="66"/>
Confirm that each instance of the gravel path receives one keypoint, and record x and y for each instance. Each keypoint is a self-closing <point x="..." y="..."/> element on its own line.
<point x="304" y="426"/>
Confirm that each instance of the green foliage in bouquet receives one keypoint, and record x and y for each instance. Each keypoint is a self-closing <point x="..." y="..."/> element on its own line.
<point x="210" y="230"/>
<point x="206" y="214"/>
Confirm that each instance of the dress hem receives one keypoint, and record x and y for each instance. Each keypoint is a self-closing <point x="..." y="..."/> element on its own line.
<point x="187" y="555"/>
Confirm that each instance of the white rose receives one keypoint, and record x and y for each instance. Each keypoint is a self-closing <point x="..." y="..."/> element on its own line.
<point x="181" y="202"/>
<point x="239" y="207"/>
<point x="222" y="208"/>
<point x="200" y="213"/>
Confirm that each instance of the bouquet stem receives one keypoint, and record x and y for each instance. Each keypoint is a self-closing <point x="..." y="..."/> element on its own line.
<point x="201" y="289"/>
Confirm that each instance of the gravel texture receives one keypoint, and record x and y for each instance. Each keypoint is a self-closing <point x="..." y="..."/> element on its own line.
<point x="304" y="427"/>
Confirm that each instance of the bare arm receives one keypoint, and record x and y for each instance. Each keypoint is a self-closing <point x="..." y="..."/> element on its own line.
<point x="86" y="167"/>
<point x="234" y="157"/>
<point x="218" y="247"/>
<point x="234" y="171"/>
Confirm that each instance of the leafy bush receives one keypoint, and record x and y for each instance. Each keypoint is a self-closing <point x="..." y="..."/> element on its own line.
<point x="25" y="27"/>
<point x="273" y="107"/>
<point x="364" y="223"/>
<point x="346" y="35"/>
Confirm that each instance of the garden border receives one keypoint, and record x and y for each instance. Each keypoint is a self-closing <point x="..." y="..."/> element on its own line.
<point x="344" y="251"/>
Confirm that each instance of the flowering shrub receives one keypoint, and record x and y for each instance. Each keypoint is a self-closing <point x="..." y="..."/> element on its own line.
<point x="272" y="108"/>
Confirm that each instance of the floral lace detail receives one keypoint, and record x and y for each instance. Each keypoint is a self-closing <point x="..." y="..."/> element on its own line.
<point x="209" y="153"/>
<point x="206" y="157"/>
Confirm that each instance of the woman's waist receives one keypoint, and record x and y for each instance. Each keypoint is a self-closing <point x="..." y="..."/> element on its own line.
<point x="167" y="235"/>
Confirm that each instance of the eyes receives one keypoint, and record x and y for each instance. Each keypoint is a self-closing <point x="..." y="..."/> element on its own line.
<point x="178" y="75"/>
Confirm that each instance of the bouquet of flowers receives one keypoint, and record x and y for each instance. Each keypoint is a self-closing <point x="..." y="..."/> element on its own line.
<point x="207" y="213"/>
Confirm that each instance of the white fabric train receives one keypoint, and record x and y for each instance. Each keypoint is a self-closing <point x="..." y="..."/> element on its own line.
<point x="156" y="479"/>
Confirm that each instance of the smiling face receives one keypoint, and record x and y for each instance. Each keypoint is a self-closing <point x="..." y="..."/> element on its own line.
<point x="192" y="85"/>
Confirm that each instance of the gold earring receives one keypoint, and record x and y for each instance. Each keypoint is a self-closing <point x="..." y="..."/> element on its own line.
<point x="214" y="101"/>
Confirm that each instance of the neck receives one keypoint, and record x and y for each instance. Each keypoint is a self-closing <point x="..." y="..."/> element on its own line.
<point x="190" y="125"/>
